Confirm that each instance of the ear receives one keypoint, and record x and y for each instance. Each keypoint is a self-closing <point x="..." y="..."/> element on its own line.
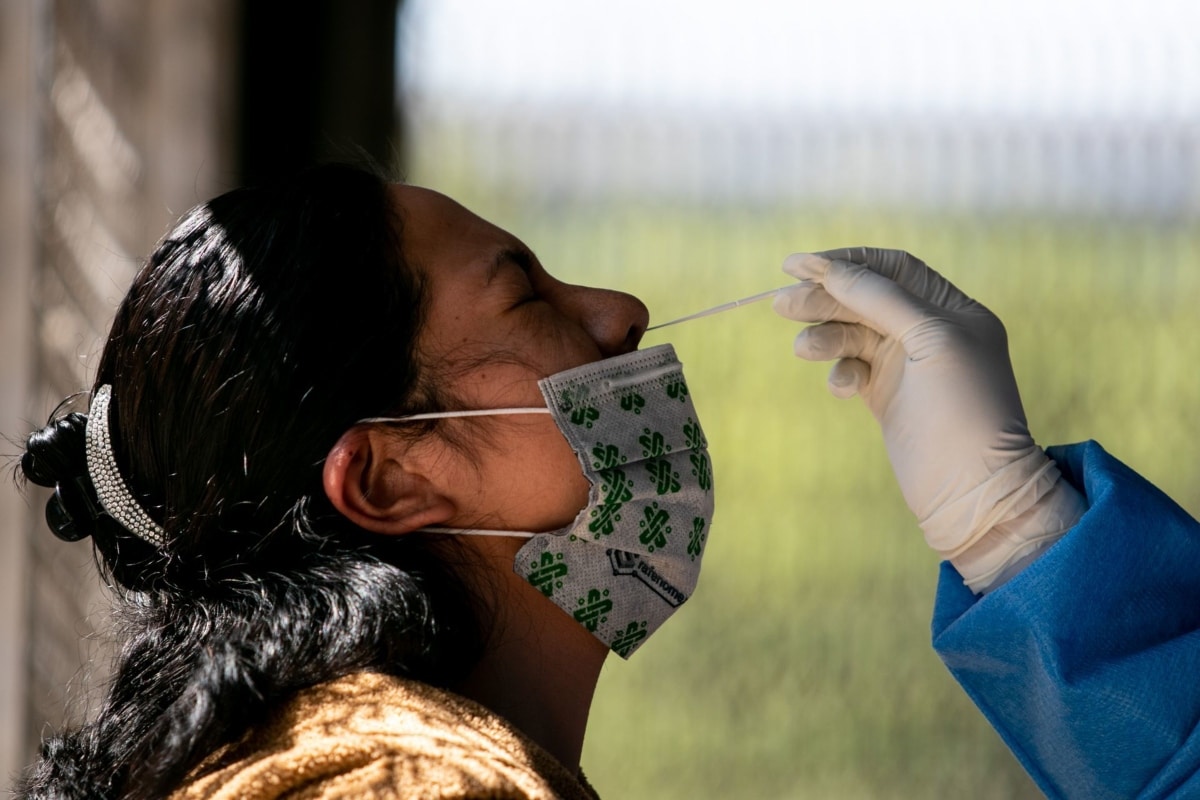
<point x="366" y="479"/>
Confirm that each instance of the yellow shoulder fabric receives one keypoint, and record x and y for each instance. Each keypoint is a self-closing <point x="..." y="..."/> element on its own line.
<point x="376" y="736"/>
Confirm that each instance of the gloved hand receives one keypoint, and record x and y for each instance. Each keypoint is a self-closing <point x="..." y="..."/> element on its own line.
<point x="932" y="366"/>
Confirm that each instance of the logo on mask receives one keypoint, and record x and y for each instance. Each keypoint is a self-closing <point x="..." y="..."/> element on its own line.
<point x="624" y="563"/>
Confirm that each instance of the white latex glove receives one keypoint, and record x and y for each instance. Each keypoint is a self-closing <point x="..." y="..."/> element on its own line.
<point x="932" y="365"/>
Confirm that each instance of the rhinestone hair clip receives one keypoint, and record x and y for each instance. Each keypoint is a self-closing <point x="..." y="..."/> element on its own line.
<point x="114" y="495"/>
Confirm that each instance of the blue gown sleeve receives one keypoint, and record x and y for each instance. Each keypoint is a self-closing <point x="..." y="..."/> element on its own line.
<point x="1087" y="662"/>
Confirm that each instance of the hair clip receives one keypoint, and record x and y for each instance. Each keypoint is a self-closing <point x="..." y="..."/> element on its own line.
<point x="118" y="502"/>
<point x="63" y="511"/>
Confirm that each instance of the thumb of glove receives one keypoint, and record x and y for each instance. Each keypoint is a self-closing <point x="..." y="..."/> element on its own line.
<point x="848" y="377"/>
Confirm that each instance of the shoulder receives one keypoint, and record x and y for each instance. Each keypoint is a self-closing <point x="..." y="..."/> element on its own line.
<point x="370" y="735"/>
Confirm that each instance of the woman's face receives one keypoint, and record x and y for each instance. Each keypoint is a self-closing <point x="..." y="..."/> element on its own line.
<point x="497" y="324"/>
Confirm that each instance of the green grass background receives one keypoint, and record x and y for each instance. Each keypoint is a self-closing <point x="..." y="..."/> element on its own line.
<point x="802" y="667"/>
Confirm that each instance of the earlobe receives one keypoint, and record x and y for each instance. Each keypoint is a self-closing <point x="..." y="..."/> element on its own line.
<point x="366" y="480"/>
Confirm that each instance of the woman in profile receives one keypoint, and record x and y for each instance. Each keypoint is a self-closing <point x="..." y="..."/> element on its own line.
<point x="273" y="475"/>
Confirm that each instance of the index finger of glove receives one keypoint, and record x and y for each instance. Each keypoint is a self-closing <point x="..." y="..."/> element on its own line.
<point x="880" y="302"/>
<point x="905" y="269"/>
<point x="809" y="302"/>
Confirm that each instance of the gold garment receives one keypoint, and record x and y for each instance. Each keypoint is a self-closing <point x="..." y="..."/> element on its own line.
<point x="377" y="736"/>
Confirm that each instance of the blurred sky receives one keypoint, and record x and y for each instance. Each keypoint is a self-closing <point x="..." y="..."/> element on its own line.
<point x="1028" y="58"/>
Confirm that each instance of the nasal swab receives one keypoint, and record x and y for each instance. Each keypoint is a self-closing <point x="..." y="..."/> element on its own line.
<point x="754" y="298"/>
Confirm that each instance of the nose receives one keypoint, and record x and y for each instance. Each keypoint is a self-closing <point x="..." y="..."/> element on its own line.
<point x="615" y="320"/>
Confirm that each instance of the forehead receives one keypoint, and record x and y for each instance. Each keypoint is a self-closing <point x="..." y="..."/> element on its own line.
<point x="435" y="228"/>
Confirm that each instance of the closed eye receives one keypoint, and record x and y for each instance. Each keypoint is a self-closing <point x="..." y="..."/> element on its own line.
<point x="509" y="261"/>
<point x="510" y="257"/>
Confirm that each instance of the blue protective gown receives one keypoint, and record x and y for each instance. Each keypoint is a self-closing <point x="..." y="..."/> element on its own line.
<point x="1088" y="661"/>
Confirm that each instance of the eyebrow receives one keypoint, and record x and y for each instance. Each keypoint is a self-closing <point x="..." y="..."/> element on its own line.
<point x="506" y="256"/>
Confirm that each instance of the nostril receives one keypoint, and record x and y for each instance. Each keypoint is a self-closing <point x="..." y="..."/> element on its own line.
<point x="634" y="337"/>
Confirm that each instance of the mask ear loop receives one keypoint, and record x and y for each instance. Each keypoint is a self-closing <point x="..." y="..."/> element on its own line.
<point x="477" y="532"/>
<point x="481" y="412"/>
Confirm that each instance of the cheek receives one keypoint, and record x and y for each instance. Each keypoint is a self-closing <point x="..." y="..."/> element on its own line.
<point x="556" y="340"/>
<point x="505" y="382"/>
<point x="534" y="480"/>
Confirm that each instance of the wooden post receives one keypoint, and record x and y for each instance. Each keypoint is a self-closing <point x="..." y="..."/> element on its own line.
<point x="18" y="149"/>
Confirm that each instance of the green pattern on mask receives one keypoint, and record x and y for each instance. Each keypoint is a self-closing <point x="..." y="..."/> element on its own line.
<point x="577" y="402"/>
<point x="702" y="469"/>
<point x="694" y="435"/>
<point x="615" y="488"/>
<point x="677" y="388"/>
<point x="604" y="519"/>
<point x="655" y="526"/>
<point x="665" y="480"/>
<point x="605" y="456"/>
<point x="632" y="401"/>
<point x="593" y="609"/>
<point x="547" y="573"/>
<point x="654" y="445"/>
<point x="585" y="416"/>
<point x="628" y="639"/>
<point x="696" y="538"/>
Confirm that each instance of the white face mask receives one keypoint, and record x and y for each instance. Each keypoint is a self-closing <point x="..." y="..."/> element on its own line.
<point x="632" y="555"/>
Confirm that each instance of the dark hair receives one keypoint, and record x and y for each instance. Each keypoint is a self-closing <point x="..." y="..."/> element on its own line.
<point x="261" y="328"/>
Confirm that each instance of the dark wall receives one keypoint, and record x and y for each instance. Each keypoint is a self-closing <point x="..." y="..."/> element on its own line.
<point x="317" y="83"/>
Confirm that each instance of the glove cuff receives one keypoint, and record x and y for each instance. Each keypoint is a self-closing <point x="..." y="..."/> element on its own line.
<point x="953" y="528"/>
<point x="1006" y="549"/>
